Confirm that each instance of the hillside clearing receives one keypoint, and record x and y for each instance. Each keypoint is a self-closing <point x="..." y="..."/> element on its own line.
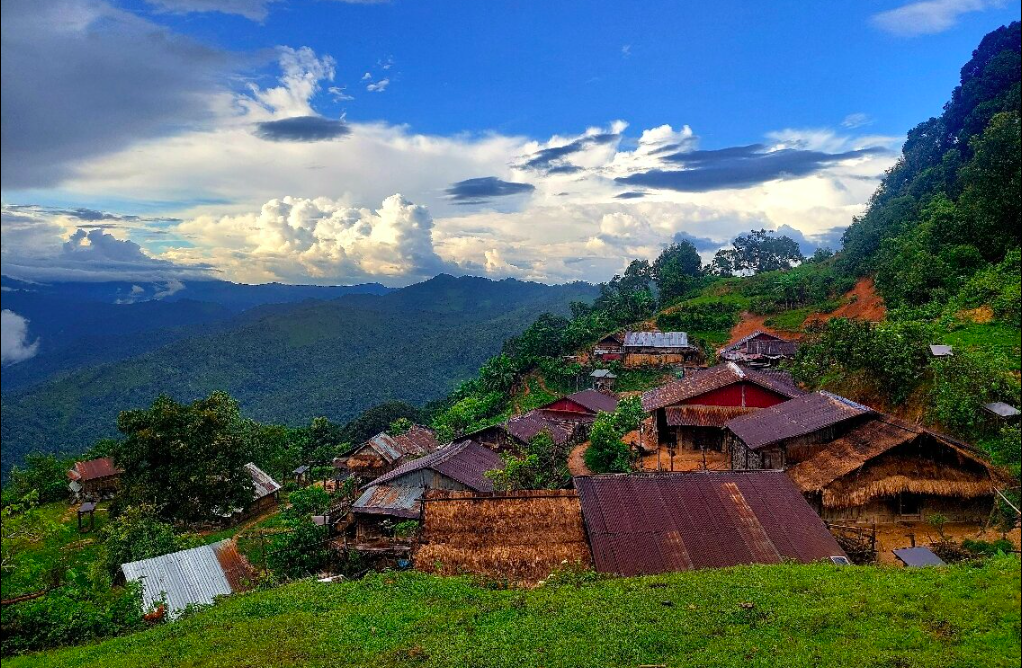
<point x="790" y="615"/>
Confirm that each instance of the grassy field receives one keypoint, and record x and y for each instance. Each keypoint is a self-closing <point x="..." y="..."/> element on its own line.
<point x="788" y="615"/>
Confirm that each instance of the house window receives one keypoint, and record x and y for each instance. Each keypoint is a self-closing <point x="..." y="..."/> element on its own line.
<point x="909" y="504"/>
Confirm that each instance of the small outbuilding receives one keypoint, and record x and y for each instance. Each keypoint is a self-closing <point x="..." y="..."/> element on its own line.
<point x="522" y="536"/>
<point x="94" y="479"/>
<point x="759" y="349"/>
<point x="609" y="348"/>
<point x="603" y="380"/>
<point x="642" y="524"/>
<point x="1001" y="411"/>
<point x="383" y="452"/>
<point x="265" y="491"/>
<point x="656" y="348"/>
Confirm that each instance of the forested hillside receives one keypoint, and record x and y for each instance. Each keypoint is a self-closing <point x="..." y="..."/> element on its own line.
<point x="291" y="362"/>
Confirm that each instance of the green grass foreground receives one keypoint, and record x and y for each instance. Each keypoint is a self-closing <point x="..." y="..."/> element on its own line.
<point x="788" y="615"/>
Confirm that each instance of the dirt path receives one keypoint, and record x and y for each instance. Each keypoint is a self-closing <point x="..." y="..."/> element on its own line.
<point x="576" y="460"/>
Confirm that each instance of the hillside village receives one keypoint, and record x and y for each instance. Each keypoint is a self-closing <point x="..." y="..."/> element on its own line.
<point x="765" y="458"/>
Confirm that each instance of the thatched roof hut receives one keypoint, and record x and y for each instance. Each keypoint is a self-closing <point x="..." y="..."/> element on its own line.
<point x="521" y="536"/>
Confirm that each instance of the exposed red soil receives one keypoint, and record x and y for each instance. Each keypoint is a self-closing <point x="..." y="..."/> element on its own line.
<point x="750" y="322"/>
<point x="576" y="460"/>
<point x="862" y="303"/>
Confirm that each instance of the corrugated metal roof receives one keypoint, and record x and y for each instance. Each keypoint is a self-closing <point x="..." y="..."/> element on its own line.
<point x="917" y="557"/>
<point x="656" y="340"/>
<point x="797" y="417"/>
<point x="756" y="345"/>
<point x="1001" y="409"/>
<point x="194" y="576"/>
<point x="602" y="373"/>
<point x="594" y="401"/>
<point x="704" y="416"/>
<point x="390" y="500"/>
<point x="465" y="462"/>
<point x="262" y="483"/>
<point x="939" y="350"/>
<point x="642" y="524"/>
<point x="418" y="440"/>
<point x="527" y="426"/>
<point x="93" y="469"/>
<point x="697" y="382"/>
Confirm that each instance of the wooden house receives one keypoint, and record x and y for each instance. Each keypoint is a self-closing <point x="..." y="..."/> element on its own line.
<point x="520" y="536"/>
<point x="660" y="349"/>
<point x="265" y="491"/>
<point x="609" y="348"/>
<point x="690" y="413"/>
<point x="648" y="523"/>
<point x="759" y="350"/>
<point x="384" y="452"/>
<point x="855" y="464"/>
<point x="397" y="495"/>
<point x="603" y="380"/>
<point x="94" y="479"/>
<point x="566" y="424"/>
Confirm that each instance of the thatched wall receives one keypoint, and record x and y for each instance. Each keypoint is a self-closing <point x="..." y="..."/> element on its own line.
<point x="521" y="536"/>
<point x="897" y="475"/>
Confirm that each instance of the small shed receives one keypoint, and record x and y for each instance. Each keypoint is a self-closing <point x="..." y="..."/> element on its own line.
<point x="384" y="451"/>
<point x="940" y="350"/>
<point x="190" y="577"/>
<point x="94" y="479"/>
<point x="603" y="380"/>
<point x="265" y="490"/>
<point x="643" y="524"/>
<point x="522" y="536"/>
<point x="1001" y="411"/>
<point x="609" y="348"/>
<point x="759" y="349"/>
<point x="301" y="474"/>
<point x="516" y="433"/>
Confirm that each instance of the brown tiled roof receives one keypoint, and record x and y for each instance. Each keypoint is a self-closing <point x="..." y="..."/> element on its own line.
<point x="527" y="426"/>
<point x="798" y="417"/>
<point x="94" y="469"/>
<point x="642" y="524"/>
<point x="694" y="415"/>
<point x="697" y="382"/>
<point x="465" y="462"/>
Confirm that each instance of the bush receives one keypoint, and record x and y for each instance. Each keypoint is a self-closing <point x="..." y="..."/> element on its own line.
<point x="138" y="533"/>
<point x="699" y="317"/>
<point x="962" y="384"/>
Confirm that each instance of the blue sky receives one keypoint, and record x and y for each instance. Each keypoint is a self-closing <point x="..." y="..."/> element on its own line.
<point x="332" y="141"/>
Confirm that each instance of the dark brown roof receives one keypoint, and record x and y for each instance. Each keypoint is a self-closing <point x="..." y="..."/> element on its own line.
<point x="798" y="417"/>
<point x="704" y="416"/>
<point x="417" y="440"/>
<point x="641" y="524"/>
<point x="594" y="401"/>
<point x="697" y="382"/>
<point x="390" y="500"/>
<point x="94" y="469"/>
<point x="465" y="462"/>
<point x="527" y="426"/>
<point x="756" y="345"/>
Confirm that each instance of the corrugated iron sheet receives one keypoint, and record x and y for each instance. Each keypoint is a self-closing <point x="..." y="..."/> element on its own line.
<point x="797" y="417"/>
<point x="656" y="340"/>
<point x="465" y="462"/>
<point x="390" y="500"/>
<point x="594" y="401"/>
<point x="642" y="524"/>
<point x="704" y="416"/>
<point x="757" y="345"/>
<point x="416" y="441"/>
<point x="527" y="426"/>
<point x="697" y="382"/>
<point x="194" y="576"/>
<point x="94" y="469"/>
<point x="262" y="483"/>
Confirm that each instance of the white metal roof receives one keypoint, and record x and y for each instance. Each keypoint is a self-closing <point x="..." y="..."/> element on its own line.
<point x="185" y="577"/>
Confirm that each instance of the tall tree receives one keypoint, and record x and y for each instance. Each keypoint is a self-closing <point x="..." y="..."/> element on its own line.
<point x="675" y="268"/>
<point x="756" y="252"/>
<point x="186" y="459"/>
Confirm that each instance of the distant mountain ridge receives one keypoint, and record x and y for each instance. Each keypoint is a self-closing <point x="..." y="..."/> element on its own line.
<point x="291" y="362"/>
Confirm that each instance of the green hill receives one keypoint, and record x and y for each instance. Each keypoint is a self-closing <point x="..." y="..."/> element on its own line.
<point x="786" y="615"/>
<point x="291" y="362"/>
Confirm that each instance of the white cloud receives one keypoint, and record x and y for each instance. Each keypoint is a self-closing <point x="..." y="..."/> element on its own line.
<point x="378" y="86"/>
<point x="255" y="10"/>
<point x="928" y="16"/>
<point x="856" y="120"/>
<point x="14" y="338"/>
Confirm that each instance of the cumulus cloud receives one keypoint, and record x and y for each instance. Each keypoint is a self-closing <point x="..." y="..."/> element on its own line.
<point x="66" y="65"/>
<point x="302" y="128"/>
<point x="553" y="158"/>
<point x="928" y="16"/>
<point x="14" y="338"/>
<point x="484" y="189"/>
<point x="293" y="238"/>
<point x="377" y="86"/>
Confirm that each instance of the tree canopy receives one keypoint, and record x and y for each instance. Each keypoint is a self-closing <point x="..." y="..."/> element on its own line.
<point x="756" y="252"/>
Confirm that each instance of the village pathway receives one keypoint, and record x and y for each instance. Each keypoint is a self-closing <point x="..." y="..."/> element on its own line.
<point x="576" y="460"/>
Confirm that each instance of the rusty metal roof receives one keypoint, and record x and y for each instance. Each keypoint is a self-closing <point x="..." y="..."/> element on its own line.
<point x="390" y="500"/>
<point x="527" y="426"/>
<point x="640" y="524"/>
<point x="697" y="382"/>
<point x="262" y="483"/>
<point x="704" y="416"/>
<point x="656" y="340"/>
<point x="798" y="417"/>
<point x="418" y="440"/>
<point x="465" y="462"/>
<point x="756" y="345"/>
<point x="194" y="576"/>
<point x="594" y="401"/>
<point x="94" y="469"/>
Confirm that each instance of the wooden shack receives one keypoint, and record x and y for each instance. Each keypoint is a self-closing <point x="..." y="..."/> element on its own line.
<point x="758" y="350"/>
<point x="690" y="413"/>
<point x="519" y="536"/>
<point x="94" y="479"/>
<point x="610" y="348"/>
<point x="384" y="452"/>
<point x="855" y="464"/>
<point x="660" y="349"/>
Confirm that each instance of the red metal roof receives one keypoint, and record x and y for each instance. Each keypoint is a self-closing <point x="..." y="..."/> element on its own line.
<point x="641" y="524"/>
<point x="591" y="400"/>
<point x="697" y="382"/>
<point x="798" y="417"/>
<point x="94" y="469"/>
